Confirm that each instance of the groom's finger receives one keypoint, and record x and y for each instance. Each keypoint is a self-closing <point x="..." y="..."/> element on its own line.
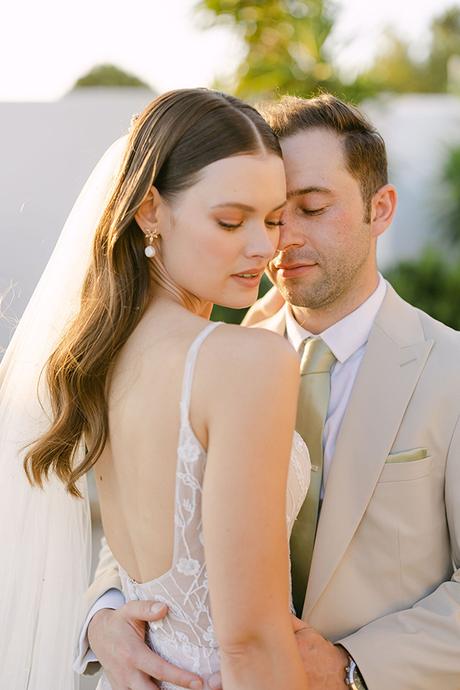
<point x="215" y="681"/>
<point x="144" y="611"/>
<point x="142" y="682"/>
<point x="162" y="670"/>
<point x="137" y="681"/>
<point x="298" y="624"/>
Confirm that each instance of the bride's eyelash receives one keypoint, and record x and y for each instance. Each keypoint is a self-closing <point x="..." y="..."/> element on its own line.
<point x="229" y="226"/>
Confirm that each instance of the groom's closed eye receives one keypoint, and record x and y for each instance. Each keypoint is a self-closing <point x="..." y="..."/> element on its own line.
<point x="313" y="211"/>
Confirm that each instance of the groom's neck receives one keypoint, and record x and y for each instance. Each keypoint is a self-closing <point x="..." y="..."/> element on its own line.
<point x="318" y="320"/>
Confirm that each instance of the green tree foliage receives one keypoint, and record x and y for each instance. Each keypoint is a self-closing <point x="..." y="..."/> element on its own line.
<point x="431" y="284"/>
<point x="396" y="70"/>
<point x="285" y="44"/>
<point x="109" y="75"/>
<point x="286" y="51"/>
<point x="393" y="70"/>
<point x="445" y="46"/>
<point x="451" y="176"/>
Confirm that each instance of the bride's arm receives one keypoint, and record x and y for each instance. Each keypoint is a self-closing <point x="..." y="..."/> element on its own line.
<point x="250" y="419"/>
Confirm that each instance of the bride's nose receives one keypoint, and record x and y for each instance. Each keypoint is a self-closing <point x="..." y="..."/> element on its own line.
<point x="262" y="243"/>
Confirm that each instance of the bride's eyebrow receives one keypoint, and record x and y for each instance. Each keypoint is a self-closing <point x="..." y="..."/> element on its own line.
<point x="245" y="207"/>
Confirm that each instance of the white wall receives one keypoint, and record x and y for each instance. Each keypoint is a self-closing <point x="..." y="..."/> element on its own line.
<point x="418" y="131"/>
<point x="47" y="152"/>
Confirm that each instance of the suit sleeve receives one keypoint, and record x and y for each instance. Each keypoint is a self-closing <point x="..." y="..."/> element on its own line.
<point x="106" y="578"/>
<point x="419" y="647"/>
<point x="265" y="307"/>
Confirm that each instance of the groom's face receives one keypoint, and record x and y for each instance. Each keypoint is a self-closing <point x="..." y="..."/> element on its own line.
<point x="325" y="244"/>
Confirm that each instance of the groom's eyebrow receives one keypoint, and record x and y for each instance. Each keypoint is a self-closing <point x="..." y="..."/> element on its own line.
<point x="307" y="190"/>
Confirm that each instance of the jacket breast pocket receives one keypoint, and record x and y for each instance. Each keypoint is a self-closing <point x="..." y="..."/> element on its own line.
<point x="406" y="465"/>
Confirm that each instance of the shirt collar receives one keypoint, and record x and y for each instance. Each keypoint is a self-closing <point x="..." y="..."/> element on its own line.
<point x="346" y="336"/>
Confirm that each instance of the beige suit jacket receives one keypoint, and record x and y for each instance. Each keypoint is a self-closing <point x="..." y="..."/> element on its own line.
<point x="385" y="578"/>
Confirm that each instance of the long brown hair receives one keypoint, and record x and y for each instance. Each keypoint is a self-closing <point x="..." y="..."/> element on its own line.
<point x="175" y="137"/>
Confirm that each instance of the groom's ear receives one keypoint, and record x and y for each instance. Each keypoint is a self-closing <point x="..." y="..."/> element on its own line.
<point x="383" y="209"/>
<point x="149" y="212"/>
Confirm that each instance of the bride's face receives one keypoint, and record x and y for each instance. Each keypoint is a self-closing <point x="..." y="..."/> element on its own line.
<point x="219" y="235"/>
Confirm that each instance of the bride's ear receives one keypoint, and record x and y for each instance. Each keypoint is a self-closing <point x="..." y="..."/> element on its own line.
<point x="148" y="215"/>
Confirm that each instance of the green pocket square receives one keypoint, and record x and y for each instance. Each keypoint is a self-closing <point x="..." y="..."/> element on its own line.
<point x="408" y="455"/>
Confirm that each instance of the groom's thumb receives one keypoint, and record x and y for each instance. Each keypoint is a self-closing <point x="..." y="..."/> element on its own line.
<point x="144" y="610"/>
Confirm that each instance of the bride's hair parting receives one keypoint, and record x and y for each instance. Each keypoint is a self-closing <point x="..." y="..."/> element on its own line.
<point x="170" y="142"/>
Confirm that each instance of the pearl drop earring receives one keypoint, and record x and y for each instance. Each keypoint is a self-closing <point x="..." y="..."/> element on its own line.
<point x="150" y="250"/>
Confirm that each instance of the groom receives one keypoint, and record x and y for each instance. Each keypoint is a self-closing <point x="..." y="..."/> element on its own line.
<point x="383" y="584"/>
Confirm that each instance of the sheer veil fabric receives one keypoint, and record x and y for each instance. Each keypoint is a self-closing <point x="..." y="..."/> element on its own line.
<point x="45" y="535"/>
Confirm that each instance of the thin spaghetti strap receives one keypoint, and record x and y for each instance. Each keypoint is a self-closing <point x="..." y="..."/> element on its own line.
<point x="189" y="369"/>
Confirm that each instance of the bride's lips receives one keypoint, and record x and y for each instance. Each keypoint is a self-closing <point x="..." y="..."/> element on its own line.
<point x="249" y="282"/>
<point x="294" y="270"/>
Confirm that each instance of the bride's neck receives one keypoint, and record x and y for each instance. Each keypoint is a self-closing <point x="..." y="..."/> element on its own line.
<point x="178" y="296"/>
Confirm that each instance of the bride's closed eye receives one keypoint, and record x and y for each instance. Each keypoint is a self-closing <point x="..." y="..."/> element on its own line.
<point x="234" y="226"/>
<point x="229" y="226"/>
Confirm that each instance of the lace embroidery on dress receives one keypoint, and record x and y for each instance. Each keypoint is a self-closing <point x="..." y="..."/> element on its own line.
<point x="186" y="636"/>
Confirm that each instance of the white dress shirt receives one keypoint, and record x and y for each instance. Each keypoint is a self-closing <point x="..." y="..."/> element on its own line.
<point x="347" y="340"/>
<point x="112" y="599"/>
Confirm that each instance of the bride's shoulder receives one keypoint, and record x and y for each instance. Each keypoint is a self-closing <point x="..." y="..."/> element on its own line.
<point x="238" y="352"/>
<point x="252" y="341"/>
<point x="242" y="372"/>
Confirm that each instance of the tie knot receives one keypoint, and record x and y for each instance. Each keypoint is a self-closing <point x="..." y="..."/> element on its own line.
<point x="317" y="358"/>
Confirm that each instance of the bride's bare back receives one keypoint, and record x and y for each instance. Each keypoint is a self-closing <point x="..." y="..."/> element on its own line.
<point x="137" y="471"/>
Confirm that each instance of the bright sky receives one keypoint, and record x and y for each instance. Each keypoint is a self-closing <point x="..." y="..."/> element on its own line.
<point x="45" y="45"/>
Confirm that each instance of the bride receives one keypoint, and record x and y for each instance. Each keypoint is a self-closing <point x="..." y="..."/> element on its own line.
<point x="188" y="424"/>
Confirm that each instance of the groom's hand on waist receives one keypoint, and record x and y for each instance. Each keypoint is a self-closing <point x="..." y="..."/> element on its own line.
<point x="117" y="638"/>
<point x="324" y="663"/>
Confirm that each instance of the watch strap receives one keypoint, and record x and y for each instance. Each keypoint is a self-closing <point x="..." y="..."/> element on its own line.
<point x="353" y="677"/>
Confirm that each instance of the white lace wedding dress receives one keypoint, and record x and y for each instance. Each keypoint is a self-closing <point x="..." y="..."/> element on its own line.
<point x="186" y="636"/>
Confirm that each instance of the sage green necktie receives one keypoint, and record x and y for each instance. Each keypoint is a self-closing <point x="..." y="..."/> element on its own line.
<point x="315" y="387"/>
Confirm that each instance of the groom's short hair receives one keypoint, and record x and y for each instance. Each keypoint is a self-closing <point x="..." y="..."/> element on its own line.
<point x="364" y="148"/>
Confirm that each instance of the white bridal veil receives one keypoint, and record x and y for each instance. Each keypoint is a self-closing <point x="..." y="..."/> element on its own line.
<point x="45" y="535"/>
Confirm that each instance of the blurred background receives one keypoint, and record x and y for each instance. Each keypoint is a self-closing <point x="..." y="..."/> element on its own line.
<point x="74" y="74"/>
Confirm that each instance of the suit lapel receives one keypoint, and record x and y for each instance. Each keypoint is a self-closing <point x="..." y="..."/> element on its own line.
<point x="394" y="359"/>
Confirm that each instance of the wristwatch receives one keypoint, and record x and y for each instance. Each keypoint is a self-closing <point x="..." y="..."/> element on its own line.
<point x="353" y="678"/>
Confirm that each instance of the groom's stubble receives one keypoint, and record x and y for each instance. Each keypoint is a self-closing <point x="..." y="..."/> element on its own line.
<point x="331" y="278"/>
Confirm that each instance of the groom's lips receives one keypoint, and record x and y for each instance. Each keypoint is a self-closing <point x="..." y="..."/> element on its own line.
<point x="294" y="270"/>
